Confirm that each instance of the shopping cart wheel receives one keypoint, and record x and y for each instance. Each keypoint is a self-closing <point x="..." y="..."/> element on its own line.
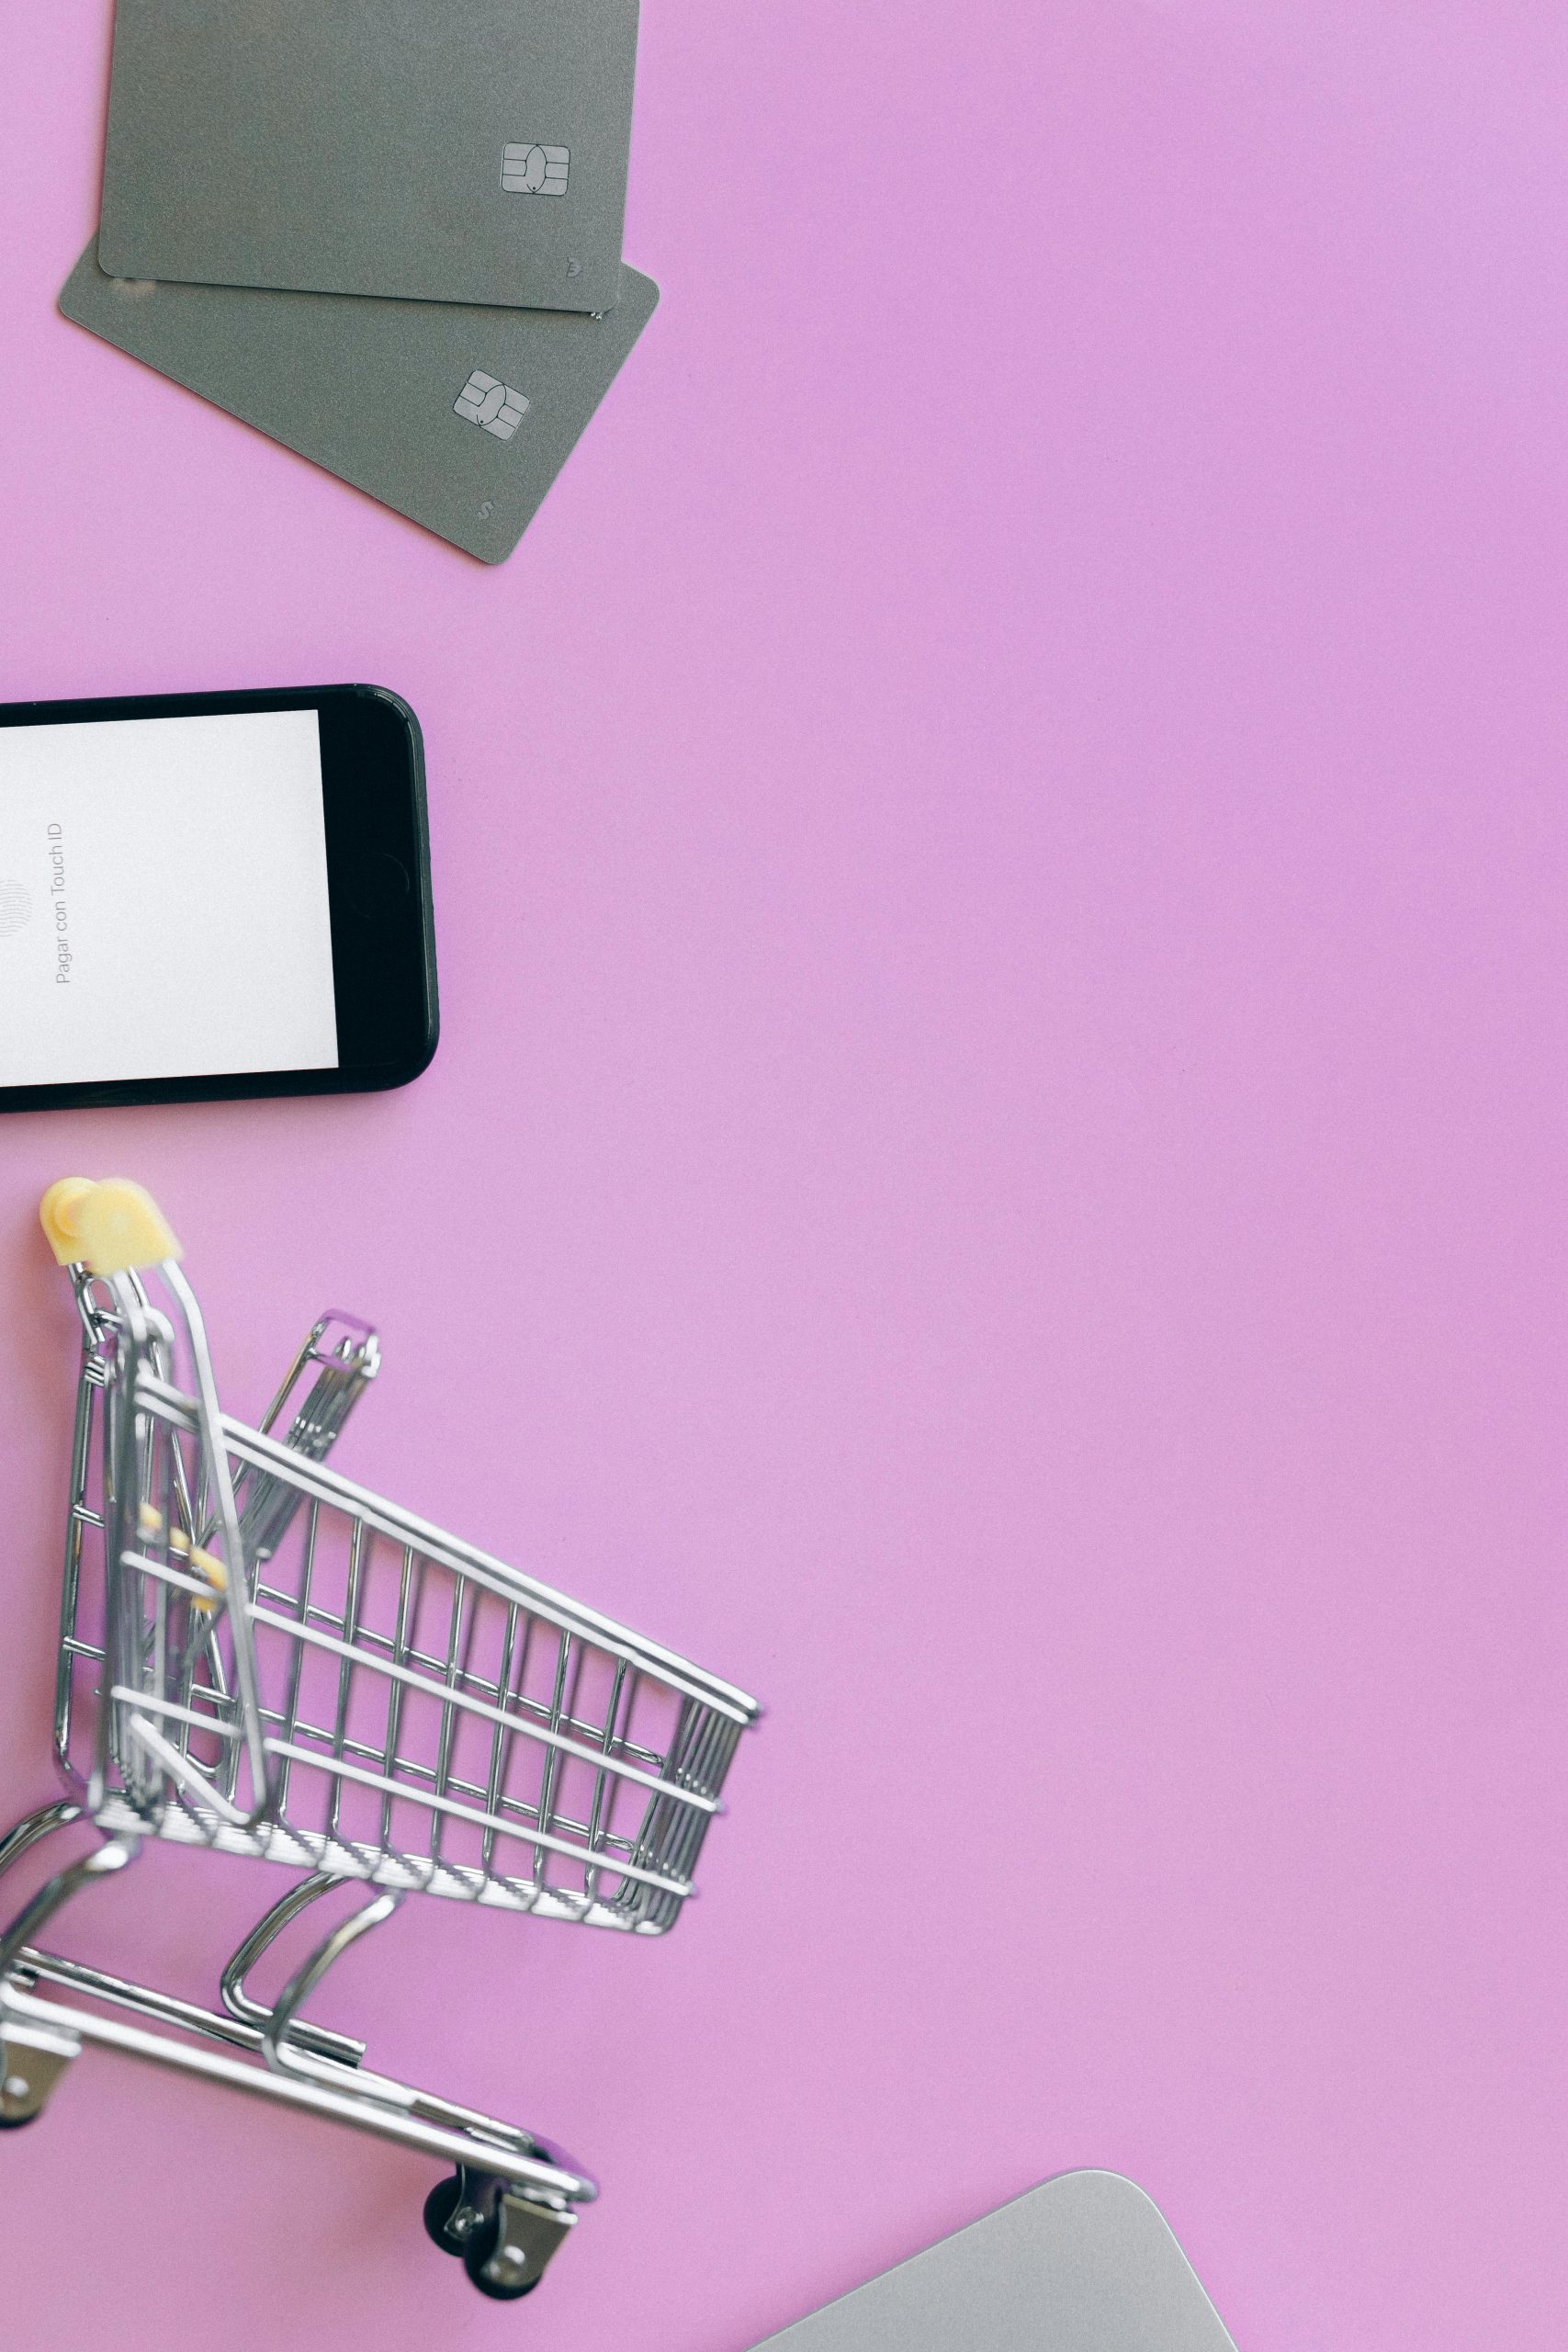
<point x="439" y="2207"/>
<point x="477" y="2257"/>
<point x="32" y="2059"/>
<point x="454" y="2208"/>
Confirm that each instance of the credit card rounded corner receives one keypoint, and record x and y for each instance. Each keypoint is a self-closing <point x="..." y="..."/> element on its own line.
<point x="649" y="292"/>
<point x="82" y="298"/>
<point x="68" y="301"/>
<point x="111" y="261"/>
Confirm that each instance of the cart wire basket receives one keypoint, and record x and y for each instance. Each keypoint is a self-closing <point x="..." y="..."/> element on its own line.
<point x="260" y="1657"/>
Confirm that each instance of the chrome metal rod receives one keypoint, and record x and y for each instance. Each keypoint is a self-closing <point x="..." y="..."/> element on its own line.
<point x="241" y="2005"/>
<point x="277" y="2031"/>
<point x="237" y="1598"/>
<point x="28" y="1831"/>
<point x="56" y="1893"/>
<point x="53" y="1968"/>
<point x="508" y="1584"/>
<point x="548" y="2183"/>
<point x="189" y="2017"/>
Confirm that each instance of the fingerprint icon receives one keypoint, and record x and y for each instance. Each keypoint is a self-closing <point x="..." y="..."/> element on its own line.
<point x="16" y="906"/>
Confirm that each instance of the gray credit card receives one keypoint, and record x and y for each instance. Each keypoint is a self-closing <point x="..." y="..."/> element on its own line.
<point x="460" y="417"/>
<point x="474" y="151"/>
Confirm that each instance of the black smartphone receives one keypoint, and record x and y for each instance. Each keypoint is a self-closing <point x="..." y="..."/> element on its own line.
<point x="207" y="896"/>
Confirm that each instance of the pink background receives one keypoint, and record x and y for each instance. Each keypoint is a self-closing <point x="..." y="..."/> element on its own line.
<point x="996" y="1172"/>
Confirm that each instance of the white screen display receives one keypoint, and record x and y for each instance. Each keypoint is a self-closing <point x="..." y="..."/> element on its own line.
<point x="163" y="905"/>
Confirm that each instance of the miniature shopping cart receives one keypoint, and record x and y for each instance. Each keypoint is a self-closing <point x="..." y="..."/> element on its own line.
<point x="258" y="1657"/>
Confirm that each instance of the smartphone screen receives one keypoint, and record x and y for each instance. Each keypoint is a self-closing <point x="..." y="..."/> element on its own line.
<point x="164" y="899"/>
<point x="211" y="899"/>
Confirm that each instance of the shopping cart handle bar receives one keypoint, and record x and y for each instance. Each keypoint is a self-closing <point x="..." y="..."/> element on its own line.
<point x="115" y="1227"/>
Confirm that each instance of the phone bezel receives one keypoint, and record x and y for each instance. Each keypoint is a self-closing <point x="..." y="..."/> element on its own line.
<point x="373" y="804"/>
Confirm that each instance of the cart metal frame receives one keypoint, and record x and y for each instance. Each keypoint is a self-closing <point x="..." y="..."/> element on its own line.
<point x="258" y="1656"/>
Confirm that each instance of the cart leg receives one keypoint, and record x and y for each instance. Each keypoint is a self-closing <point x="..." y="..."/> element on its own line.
<point x="278" y="2032"/>
<point x="240" y="2004"/>
<point x="33" y="1826"/>
<point x="112" y="1855"/>
<point x="33" y="2056"/>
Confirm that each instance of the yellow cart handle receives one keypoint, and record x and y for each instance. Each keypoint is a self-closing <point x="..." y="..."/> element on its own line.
<point x="115" y="1227"/>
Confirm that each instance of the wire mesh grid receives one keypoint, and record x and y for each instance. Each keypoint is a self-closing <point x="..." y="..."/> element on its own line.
<point x="432" y="1720"/>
